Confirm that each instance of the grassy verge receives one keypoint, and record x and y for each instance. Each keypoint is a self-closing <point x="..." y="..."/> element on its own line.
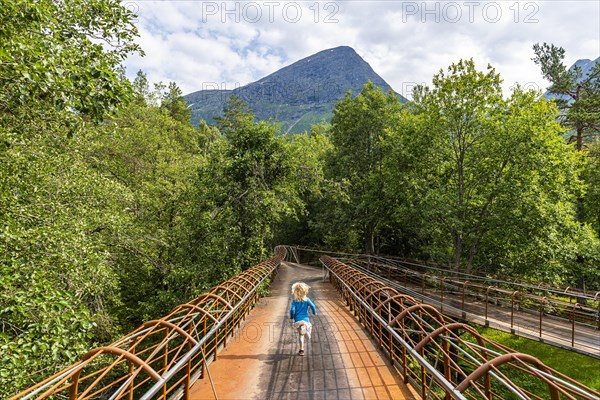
<point x="582" y="368"/>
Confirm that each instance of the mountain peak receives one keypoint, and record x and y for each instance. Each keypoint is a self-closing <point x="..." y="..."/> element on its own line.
<point x="298" y="95"/>
<point x="338" y="68"/>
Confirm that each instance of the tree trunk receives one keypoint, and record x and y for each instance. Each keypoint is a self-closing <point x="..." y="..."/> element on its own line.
<point x="457" y="251"/>
<point x="370" y="240"/>
<point x="579" y="135"/>
<point x="472" y="253"/>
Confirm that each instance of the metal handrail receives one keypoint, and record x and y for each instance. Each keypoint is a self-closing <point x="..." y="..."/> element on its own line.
<point x="462" y="276"/>
<point x="197" y="347"/>
<point x="149" y="358"/>
<point x="579" y="320"/>
<point x="463" y="364"/>
<point x="415" y="265"/>
<point x="435" y="373"/>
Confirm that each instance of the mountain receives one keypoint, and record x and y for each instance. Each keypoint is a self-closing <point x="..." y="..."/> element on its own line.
<point x="297" y="96"/>
<point x="586" y="67"/>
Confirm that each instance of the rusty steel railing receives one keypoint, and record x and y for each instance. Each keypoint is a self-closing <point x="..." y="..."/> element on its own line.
<point x="539" y="313"/>
<point x="563" y="317"/>
<point x="442" y="358"/>
<point x="162" y="358"/>
<point x="498" y="280"/>
<point x="572" y="293"/>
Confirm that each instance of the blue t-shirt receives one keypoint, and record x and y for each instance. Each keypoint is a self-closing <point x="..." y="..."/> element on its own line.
<point x="299" y="310"/>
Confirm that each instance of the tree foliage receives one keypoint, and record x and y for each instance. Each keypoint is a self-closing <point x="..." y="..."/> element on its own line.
<point x="114" y="208"/>
<point x="308" y="153"/>
<point x="461" y="176"/>
<point x="256" y="186"/>
<point x="578" y="96"/>
<point x="53" y="253"/>
<point x="494" y="165"/>
<point x="60" y="70"/>
<point x="360" y="126"/>
<point x="153" y="154"/>
<point x="65" y="55"/>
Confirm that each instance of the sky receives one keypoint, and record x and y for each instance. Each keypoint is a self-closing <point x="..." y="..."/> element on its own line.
<point x="227" y="44"/>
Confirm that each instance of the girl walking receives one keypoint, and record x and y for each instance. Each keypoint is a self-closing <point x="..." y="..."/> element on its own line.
<point x="299" y="312"/>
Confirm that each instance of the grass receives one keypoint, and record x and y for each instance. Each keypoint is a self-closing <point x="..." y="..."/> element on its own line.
<point x="579" y="367"/>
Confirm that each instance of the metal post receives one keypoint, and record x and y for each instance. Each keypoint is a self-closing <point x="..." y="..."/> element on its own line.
<point x="541" y="313"/>
<point x="487" y="298"/>
<point x="131" y="387"/>
<point x="512" y="312"/>
<point x="464" y="314"/>
<point x="188" y="373"/>
<point x="165" y="363"/>
<point x="442" y="295"/>
<point x="573" y="325"/>
<point x="447" y="372"/>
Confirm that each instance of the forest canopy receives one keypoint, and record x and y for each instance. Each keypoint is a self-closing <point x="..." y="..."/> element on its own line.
<point x="115" y="208"/>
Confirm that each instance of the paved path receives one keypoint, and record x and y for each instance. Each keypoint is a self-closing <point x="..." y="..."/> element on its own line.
<point x="261" y="362"/>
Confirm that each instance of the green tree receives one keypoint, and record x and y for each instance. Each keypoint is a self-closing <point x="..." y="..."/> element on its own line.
<point x="496" y="175"/>
<point x="591" y="176"/>
<point x="60" y="72"/>
<point x="173" y="102"/>
<point x="57" y="216"/>
<point x="141" y="88"/>
<point x="154" y="155"/>
<point x="578" y="96"/>
<point x="409" y="169"/>
<point x="43" y="328"/>
<point x="259" y="173"/>
<point x="240" y="194"/>
<point x="65" y="55"/>
<point x="359" y="128"/>
<point x="308" y="153"/>
<point x="590" y="244"/>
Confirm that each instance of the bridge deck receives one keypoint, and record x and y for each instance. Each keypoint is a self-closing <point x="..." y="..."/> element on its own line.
<point x="261" y="361"/>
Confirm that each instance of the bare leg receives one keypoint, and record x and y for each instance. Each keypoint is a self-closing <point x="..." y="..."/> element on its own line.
<point x="302" y="328"/>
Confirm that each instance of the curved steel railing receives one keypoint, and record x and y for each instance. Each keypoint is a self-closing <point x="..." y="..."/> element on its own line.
<point x="162" y="358"/>
<point x="442" y="358"/>
<point x="561" y="317"/>
<point x="539" y="313"/>
<point x="387" y="262"/>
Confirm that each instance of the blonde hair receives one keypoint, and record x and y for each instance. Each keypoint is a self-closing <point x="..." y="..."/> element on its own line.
<point x="300" y="290"/>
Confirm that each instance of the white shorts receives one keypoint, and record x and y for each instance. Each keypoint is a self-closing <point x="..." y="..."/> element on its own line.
<point x="308" y="326"/>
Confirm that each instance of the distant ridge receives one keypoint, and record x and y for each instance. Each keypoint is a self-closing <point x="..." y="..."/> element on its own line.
<point x="586" y="67"/>
<point x="298" y="95"/>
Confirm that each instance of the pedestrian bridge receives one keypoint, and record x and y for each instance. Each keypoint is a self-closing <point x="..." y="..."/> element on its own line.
<point x="370" y="341"/>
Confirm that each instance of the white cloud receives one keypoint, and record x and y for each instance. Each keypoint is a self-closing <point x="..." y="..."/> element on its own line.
<point x="233" y="43"/>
